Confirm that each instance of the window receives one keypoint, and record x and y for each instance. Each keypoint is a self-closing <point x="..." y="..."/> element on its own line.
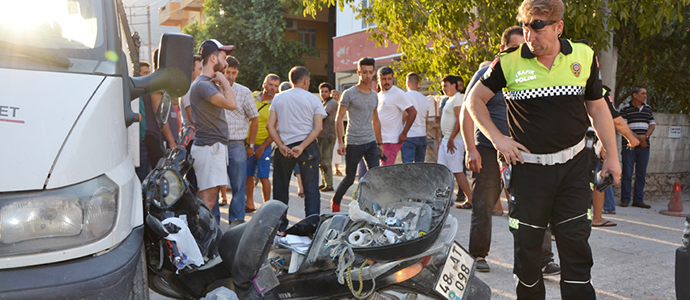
<point x="307" y="36"/>
<point x="365" y="4"/>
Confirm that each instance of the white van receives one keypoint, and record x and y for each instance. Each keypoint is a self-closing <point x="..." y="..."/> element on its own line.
<point x="70" y="203"/>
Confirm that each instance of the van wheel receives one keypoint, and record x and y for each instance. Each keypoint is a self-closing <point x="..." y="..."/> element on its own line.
<point x="140" y="289"/>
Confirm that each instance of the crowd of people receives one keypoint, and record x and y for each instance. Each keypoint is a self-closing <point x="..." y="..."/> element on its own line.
<point x="520" y="129"/>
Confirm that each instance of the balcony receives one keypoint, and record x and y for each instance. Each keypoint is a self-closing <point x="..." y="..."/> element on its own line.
<point x="171" y="15"/>
<point x="192" y="5"/>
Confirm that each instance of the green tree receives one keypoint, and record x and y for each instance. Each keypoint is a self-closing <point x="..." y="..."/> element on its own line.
<point x="255" y="28"/>
<point x="660" y="62"/>
<point x="440" y="37"/>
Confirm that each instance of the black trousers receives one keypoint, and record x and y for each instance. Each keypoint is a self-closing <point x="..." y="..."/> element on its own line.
<point x="560" y="195"/>
<point x="486" y="190"/>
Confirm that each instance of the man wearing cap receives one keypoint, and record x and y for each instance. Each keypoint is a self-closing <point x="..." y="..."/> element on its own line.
<point x="294" y="122"/>
<point x="241" y="143"/>
<point x="551" y="86"/>
<point x="210" y="95"/>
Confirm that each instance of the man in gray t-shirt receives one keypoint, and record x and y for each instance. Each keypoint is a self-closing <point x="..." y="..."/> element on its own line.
<point x="363" y="129"/>
<point x="208" y="102"/>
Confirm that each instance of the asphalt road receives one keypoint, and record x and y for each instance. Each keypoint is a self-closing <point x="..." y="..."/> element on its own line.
<point x="633" y="260"/>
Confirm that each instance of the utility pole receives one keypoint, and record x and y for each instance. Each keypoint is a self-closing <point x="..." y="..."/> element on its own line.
<point x="131" y="17"/>
<point x="148" y="21"/>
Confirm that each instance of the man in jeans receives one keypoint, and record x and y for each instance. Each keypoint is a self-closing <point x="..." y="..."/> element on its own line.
<point x="640" y="119"/>
<point x="363" y="129"/>
<point x="327" y="137"/>
<point x="209" y="103"/>
<point x="414" y="148"/>
<point x="393" y="102"/>
<point x="241" y="143"/>
<point x="294" y="122"/>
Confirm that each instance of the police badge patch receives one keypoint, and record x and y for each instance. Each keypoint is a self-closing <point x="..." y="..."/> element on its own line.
<point x="575" y="67"/>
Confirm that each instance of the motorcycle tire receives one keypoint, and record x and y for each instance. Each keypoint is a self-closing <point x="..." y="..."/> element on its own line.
<point x="160" y="286"/>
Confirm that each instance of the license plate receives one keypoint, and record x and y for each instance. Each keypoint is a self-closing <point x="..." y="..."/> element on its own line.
<point x="456" y="272"/>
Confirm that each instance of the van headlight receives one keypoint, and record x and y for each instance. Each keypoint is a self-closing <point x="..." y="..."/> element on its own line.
<point x="52" y="220"/>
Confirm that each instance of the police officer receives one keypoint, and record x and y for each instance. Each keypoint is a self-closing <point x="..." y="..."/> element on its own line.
<point x="552" y="85"/>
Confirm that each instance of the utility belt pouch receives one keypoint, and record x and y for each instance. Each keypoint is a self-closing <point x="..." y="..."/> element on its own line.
<point x="506" y="170"/>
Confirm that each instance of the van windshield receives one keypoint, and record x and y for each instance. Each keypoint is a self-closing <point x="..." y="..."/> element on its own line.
<point x="68" y="30"/>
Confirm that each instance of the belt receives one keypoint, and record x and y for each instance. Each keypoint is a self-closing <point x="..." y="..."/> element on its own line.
<point x="559" y="157"/>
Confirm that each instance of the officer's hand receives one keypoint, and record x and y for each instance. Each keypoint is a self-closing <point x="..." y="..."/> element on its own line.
<point x="510" y="149"/>
<point x="613" y="167"/>
<point x="473" y="160"/>
<point x="451" y="146"/>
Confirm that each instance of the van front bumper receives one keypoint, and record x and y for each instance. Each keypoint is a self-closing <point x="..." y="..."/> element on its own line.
<point x="108" y="276"/>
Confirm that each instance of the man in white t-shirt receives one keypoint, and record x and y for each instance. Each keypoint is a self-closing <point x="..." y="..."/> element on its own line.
<point x="452" y="149"/>
<point x="295" y="120"/>
<point x="414" y="148"/>
<point x="392" y="103"/>
<point x="186" y="105"/>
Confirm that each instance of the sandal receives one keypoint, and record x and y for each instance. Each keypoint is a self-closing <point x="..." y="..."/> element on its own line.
<point x="464" y="205"/>
<point x="338" y="173"/>
<point x="605" y="224"/>
<point x="301" y="195"/>
<point x="610" y="212"/>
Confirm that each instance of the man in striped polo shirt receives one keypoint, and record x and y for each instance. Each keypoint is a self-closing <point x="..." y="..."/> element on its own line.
<point x="639" y="116"/>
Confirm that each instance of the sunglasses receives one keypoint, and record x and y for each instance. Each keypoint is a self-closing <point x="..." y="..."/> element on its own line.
<point x="537" y="24"/>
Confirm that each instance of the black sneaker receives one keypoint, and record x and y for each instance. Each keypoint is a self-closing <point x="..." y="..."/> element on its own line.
<point x="624" y="204"/>
<point x="482" y="266"/>
<point x="551" y="268"/>
<point x="642" y="205"/>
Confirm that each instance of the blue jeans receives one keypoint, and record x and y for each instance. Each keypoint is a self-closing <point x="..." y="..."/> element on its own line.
<point x="414" y="150"/>
<point x="237" y="172"/>
<point x="353" y="154"/>
<point x="634" y="159"/>
<point x="308" y="163"/>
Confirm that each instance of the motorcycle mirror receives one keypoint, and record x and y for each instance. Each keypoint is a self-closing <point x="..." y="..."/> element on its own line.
<point x="163" y="110"/>
<point x="156" y="226"/>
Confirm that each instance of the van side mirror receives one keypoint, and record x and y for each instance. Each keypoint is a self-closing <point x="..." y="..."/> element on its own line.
<point x="175" y="68"/>
<point x="163" y="110"/>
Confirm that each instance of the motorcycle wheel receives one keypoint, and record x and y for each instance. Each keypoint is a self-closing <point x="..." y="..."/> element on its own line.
<point x="160" y="286"/>
<point x="140" y="289"/>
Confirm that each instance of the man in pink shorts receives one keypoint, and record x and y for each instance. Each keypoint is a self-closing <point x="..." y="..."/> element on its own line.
<point x="394" y="107"/>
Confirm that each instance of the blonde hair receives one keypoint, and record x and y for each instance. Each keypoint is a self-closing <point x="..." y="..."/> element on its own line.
<point x="553" y="9"/>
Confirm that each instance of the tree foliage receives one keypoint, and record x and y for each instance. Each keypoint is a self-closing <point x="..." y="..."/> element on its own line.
<point x="255" y="28"/>
<point x="440" y="37"/>
<point x="661" y="62"/>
